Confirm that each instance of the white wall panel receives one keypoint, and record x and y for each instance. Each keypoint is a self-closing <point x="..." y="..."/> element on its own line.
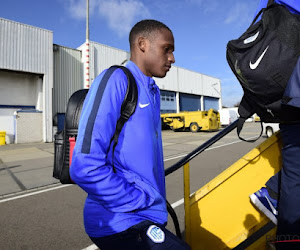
<point x="24" y="48"/>
<point x="102" y="57"/>
<point x="68" y="76"/>
<point x="30" y="49"/>
<point x="170" y="81"/>
<point x="18" y="89"/>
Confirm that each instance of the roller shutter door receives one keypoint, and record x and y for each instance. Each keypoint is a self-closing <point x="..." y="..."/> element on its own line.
<point x="211" y="103"/>
<point x="167" y="102"/>
<point x="189" y="102"/>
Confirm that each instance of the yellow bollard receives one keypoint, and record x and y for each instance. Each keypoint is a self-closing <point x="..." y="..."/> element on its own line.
<point x="2" y="138"/>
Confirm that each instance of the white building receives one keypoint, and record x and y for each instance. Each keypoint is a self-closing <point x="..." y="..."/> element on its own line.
<point x="26" y="81"/>
<point x="37" y="78"/>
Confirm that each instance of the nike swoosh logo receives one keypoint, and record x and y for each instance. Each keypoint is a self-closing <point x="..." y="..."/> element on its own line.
<point x="255" y="65"/>
<point x="143" y="105"/>
<point x="271" y="206"/>
<point x="251" y="38"/>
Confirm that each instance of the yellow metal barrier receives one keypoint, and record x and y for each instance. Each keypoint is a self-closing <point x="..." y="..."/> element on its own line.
<point x="2" y="138"/>
<point x="220" y="214"/>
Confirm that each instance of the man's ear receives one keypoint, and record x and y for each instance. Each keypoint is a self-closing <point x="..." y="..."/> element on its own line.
<point x="141" y="42"/>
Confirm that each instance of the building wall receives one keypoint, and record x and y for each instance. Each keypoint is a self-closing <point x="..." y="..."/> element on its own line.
<point x="29" y="49"/>
<point x="18" y="91"/>
<point x="29" y="126"/>
<point x="177" y="80"/>
<point x="68" y="76"/>
<point x="102" y="57"/>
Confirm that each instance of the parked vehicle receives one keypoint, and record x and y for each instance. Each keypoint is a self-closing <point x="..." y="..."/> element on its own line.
<point x="195" y="121"/>
<point x="270" y="128"/>
<point x="227" y="116"/>
<point x="256" y="118"/>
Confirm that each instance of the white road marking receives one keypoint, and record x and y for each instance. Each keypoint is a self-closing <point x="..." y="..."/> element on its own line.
<point x="177" y="203"/>
<point x="223" y="145"/>
<point x="91" y="247"/>
<point x="34" y="193"/>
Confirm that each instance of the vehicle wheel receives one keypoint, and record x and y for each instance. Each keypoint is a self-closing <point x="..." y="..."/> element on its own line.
<point x="194" y="127"/>
<point x="269" y="132"/>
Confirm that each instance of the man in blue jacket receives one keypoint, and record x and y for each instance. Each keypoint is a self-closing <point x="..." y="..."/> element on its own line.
<point x="126" y="209"/>
<point x="280" y="199"/>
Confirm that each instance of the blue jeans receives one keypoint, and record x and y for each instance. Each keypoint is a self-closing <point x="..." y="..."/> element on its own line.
<point x="143" y="236"/>
<point x="287" y="182"/>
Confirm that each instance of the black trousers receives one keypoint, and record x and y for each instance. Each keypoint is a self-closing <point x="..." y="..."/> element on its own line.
<point x="143" y="236"/>
<point x="287" y="184"/>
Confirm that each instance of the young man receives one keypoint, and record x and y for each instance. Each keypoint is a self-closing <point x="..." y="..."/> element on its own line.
<point x="126" y="209"/>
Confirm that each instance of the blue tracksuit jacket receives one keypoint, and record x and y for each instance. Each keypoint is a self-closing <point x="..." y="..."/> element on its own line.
<point x="136" y="192"/>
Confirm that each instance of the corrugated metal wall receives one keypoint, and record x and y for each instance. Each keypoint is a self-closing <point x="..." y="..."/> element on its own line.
<point x="177" y="79"/>
<point x="170" y="81"/>
<point x="68" y="76"/>
<point x="102" y="57"/>
<point x="25" y="48"/>
<point x="30" y="49"/>
<point x="190" y="82"/>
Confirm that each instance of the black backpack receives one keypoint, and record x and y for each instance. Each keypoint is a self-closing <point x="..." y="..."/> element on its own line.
<point x="64" y="140"/>
<point x="263" y="60"/>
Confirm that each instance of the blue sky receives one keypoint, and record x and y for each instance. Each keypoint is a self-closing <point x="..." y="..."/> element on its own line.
<point x="201" y="28"/>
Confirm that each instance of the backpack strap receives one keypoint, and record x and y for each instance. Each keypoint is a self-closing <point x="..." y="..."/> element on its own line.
<point x="246" y="111"/>
<point x="127" y="108"/>
<point x="240" y="125"/>
<point x="270" y="2"/>
<point x="269" y="5"/>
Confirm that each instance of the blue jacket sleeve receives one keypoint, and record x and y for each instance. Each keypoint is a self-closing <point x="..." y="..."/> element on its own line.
<point x="92" y="171"/>
<point x="292" y="5"/>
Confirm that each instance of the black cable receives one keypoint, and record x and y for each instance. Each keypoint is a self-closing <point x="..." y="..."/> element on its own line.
<point x="175" y="219"/>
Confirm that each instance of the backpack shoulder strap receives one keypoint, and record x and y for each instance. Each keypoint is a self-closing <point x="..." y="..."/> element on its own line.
<point x="245" y="111"/>
<point x="129" y="103"/>
<point x="270" y="2"/>
<point x="127" y="108"/>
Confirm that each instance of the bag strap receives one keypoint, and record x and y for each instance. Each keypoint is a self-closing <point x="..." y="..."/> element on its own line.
<point x="127" y="108"/>
<point x="269" y="5"/>
<point x="270" y="2"/>
<point x="239" y="127"/>
<point x="245" y="111"/>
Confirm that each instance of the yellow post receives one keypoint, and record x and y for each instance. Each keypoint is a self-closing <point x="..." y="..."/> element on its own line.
<point x="2" y="138"/>
<point x="186" y="183"/>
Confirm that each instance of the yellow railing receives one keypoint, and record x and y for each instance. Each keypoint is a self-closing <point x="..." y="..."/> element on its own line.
<point x="220" y="215"/>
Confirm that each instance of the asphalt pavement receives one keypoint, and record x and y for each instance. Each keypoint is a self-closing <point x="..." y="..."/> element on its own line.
<point x="36" y="208"/>
<point x="28" y="167"/>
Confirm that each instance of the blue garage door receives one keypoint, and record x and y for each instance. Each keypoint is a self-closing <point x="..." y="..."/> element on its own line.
<point x="189" y="102"/>
<point x="167" y="102"/>
<point x="211" y="103"/>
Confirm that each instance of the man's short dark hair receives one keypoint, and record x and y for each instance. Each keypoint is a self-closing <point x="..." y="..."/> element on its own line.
<point x="145" y="28"/>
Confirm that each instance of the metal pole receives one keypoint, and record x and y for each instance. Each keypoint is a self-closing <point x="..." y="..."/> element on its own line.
<point x="86" y="53"/>
<point x="87" y="21"/>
